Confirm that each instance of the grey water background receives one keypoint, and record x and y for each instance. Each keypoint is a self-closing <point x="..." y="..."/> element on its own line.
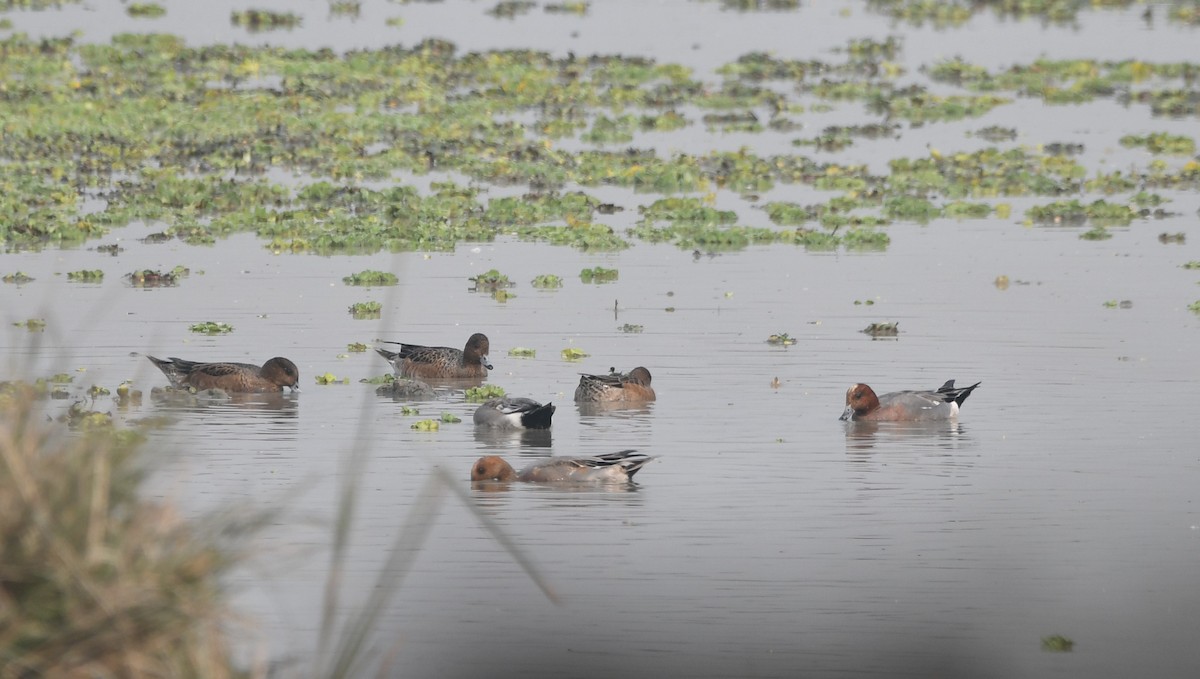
<point x="769" y="539"/>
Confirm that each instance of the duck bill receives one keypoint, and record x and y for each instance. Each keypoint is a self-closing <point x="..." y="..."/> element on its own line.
<point x="484" y="361"/>
<point x="847" y="414"/>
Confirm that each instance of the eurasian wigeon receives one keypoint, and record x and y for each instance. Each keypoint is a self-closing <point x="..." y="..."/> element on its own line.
<point x="608" y="468"/>
<point x="509" y="412"/>
<point x="615" y="386"/>
<point x="905" y="406"/>
<point x="414" y="360"/>
<point x="273" y="375"/>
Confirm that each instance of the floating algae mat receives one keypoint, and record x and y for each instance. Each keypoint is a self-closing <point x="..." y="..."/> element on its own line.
<point x="304" y="148"/>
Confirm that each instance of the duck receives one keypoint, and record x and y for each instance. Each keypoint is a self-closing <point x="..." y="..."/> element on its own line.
<point x="632" y="386"/>
<point x="618" y="467"/>
<point x="273" y="375"/>
<point x="421" y="362"/>
<point x="508" y="412"/>
<point x="905" y="406"/>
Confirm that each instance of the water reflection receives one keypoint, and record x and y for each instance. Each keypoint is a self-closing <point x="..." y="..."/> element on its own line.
<point x="286" y="405"/>
<point x="509" y="439"/>
<point x="866" y="434"/>
<point x="624" y="409"/>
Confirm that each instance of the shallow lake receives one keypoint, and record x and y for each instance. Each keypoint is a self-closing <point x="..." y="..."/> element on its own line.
<point x="768" y="538"/>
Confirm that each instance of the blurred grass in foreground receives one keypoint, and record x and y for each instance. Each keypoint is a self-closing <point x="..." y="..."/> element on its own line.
<point x="98" y="581"/>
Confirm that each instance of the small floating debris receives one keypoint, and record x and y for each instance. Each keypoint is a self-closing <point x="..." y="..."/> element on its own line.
<point x="365" y="311"/>
<point x="425" y="425"/>
<point x="781" y="339"/>
<point x="882" y="329"/>
<point x="1057" y="643"/>
<point x="631" y="327"/>
<point x="86" y="275"/>
<point x="1001" y="282"/>
<point x="599" y="275"/>
<point x="1177" y="238"/>
<point x="149" y="278"/>
<point x="522" y="352"/>
<point x="547" y="280"/>
<point x="330" y="378"/>
<point x="356" y="347"/>
<point x="32" y="324"/>
<point x="451" y="418"/>
<point x="573" y="354"/>
<point x="211" y="328"/>
<point x="483" y="393"/>
<point x="491" y="281"/>
<point x="1121" y="304"/>
<point x="18" y="278"/>
<point x="371" y="278"/>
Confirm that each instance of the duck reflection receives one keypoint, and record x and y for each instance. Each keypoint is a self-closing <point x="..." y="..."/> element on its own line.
<point x="624" y="409"/>
<point x="285" y="405"/>
<point x="509" y="439"/>
<point x="867" y="434"/>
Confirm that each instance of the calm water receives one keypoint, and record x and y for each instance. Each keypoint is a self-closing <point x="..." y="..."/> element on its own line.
<point x="769" y="539"/>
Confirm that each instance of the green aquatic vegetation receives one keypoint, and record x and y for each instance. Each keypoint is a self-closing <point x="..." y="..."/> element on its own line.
<point x="1184" y="14"/>
<point x="18" y="278"/>
<point x="760" y="5"/>
<point x="32" y="324"/>
<point x="356" y="347"/>
<point x="522" y="352"/>
<point x="148" y="10"/>
<point x="450" y="418"/>
<point x="369" y="277"/>
<point x="1194" y="307"/>
<point x="919" y="106"/>
<point x="330" y="378"/>
<point x="148" y="278"/>
<point x="508" y="9"/>
<point x="1161" y="142"/>
<point x="491" y="281"/>
<point x="387" y="378"/>
<point x="735" y="121"/>
<point x="425" y="425"/>
<point x="211" y="328"/>
<point x="882" y="329"/>
<point x="599" y="274"/>
<point x="86" y="275"/>
<point x="582" y="235"/>
<point x="264" y="20"/>
<point x="1074" y="212"/>
<point x="61" y="378"/>
<point x="960" y="209"/>
<point x="365" y="311"/>
<point x="685" y="210"/>
<point x="789" y="214"/>
<point x="781" y="339"/>
<point x="812" y="239"/>
<point x="1095" y="233"/>
<point x="1193" y="264"/>
<point x="1110" y="183"/>
<point x="540" y="208"/>
<point x="547" y="281"/>
<point x="631" y="328"/>
<point x="409" y="410"/>
<point x="347" y="8"/>
<point x="910" y="208"/>
<point x="95" y="391"/>
<point x="573" y="354"/>
<point x="985" y="173"/>
<point x="865" y="239"/>
<point x="995" y="133"/>
<point x="1057" y="643"/>
<point x="483" y="393"/>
